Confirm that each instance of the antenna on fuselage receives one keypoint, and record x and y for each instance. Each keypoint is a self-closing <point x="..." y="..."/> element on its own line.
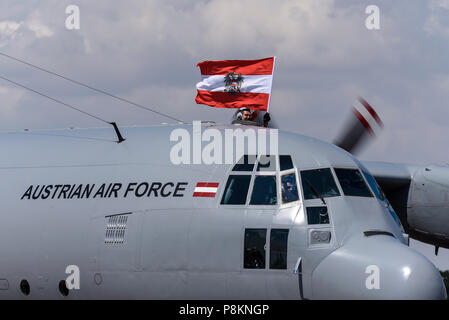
<point x="88" y="86"/>
<point x="117" y="131"/>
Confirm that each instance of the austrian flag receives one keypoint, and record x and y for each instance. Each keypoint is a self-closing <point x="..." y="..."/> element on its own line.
<point x="236" y="83"/>
<point x="206" y="189"/>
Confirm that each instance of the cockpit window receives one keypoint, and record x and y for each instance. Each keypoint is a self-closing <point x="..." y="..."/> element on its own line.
<point x="278" y="248"/>
<point x="246" y="163"/>
<point x="289" y="188"/>
<point x="285" y="162"/>
<point x="264" y="191"/>
<point x="317" y="215"/>
<point x="352" y="183"/>
<point x="236" y="189"/>
<point x="374" y="186"/>
<point x="255" y="244"/>
<point x="381" y="196"/>
<point x="318" y="183"/>
<point x="266" y="163"/>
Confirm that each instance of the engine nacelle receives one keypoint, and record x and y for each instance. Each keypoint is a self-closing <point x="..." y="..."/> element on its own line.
<point x="428" y="205"/>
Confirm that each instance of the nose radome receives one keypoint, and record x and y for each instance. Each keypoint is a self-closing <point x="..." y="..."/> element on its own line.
<point x="376" y="267"/>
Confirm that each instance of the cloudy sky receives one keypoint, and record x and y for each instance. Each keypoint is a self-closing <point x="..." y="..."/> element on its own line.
<point x="147" y="51"/>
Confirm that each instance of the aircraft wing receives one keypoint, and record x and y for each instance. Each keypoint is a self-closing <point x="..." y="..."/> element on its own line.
<point x="420" y="197"/>
<point x="390" y="176"/>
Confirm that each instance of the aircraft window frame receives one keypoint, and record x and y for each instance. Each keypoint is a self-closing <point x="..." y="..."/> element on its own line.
<point x="243" y="173"/>
<point x="276" y="169"/>
<point x="231" y="172"/>
<point x="334" y="176"/>
<point x="308" y="214"/>
<point x="256" y="157"/>
<point x="381" y="195"/>
<point x="263" y="169"/>
<point x="271" y="253"/>
<point x="285" y="173"/>
<point x="254" y="173"/>
<point x="265" y="174"/>
<point x="266" y="248"/>
<point x="372" y="195"/>
<point x="291" y="159"/>
<point x="281" y="173"/>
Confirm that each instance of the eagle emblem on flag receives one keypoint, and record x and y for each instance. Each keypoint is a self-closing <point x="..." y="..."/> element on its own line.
<point x="236" y="83"/>
<point x="233" y="82"/>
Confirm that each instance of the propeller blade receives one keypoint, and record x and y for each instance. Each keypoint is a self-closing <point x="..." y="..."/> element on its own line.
<point x="363" y="124"/>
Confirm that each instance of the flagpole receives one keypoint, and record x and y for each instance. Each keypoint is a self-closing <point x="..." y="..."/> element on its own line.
<point x="272" y="76"/>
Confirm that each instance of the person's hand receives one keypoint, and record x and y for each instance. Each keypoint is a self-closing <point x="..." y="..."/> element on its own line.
<point x="266" y="117"/>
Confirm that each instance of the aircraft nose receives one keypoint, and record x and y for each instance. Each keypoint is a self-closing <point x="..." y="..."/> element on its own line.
<point x="376" y="267"/>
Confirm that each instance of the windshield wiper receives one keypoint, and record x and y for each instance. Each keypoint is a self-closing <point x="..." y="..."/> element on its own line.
<point x="315" y="192"/>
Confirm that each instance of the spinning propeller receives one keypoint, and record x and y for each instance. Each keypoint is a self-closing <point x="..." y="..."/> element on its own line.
<point x="363" y="125"/>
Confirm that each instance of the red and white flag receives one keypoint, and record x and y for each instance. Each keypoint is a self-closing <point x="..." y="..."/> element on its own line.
<point x="205" y="189"/>
<point x="236" y="83"/>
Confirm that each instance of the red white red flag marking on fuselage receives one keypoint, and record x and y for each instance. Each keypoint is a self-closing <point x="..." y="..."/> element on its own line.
<point x="206" y="189"/>
<point x="250" y="87"/>
<point x="367" y="116"/>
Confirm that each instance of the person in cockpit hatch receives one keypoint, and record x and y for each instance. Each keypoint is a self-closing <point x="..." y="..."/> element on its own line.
<point x="245" y="114"/>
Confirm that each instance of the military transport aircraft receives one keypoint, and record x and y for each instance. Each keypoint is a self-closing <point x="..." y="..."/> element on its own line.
<point x="141" y="217"/>
<point x="308" y="222"/>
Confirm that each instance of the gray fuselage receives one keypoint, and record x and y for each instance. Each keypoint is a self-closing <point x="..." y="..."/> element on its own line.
<point x="126" y="216"/>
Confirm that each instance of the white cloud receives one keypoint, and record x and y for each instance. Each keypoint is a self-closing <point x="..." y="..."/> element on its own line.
<point x="8" y="31"/>
<point x="39" y="29"/>
<point x="36" y="24"/>
<point x="8" y="28"/>
<point x="437" y="22"/>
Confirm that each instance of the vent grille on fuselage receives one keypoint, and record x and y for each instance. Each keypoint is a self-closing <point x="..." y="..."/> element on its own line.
<point x="115" y="228"/>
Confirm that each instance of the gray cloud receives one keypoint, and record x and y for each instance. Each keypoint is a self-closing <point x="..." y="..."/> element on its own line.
<point x="147" y="51"/>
